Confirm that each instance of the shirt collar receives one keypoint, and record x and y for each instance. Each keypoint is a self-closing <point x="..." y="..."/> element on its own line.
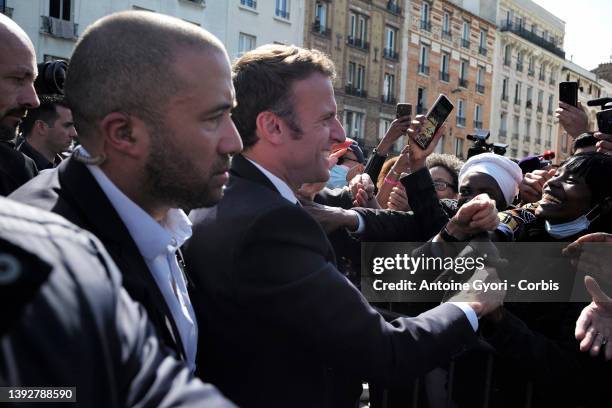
<point x="280" y="185"/>
<point x="151" y="238"/>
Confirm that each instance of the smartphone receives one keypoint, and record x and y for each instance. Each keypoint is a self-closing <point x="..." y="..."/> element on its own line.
<point x="568" y="93"/>
<point x="434" y="119"/>
<point x="403" y="109"/>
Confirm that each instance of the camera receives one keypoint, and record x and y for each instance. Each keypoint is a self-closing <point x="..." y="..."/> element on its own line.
<point x="481" y="146"/>
<point x="604" y="117"/>
<point x="51" y="77"/>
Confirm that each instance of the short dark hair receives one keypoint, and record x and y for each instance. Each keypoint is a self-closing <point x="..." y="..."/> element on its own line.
<point x="449" y="163"/>
<point x="46" y="112"/>
<point x="584" y="140"/>
<point x="263" y="80"/>
<point x="125" y="63"/>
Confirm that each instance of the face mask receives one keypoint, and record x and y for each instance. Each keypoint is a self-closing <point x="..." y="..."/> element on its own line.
<point x="568" y="229"/>
<point x="337" y="176"/>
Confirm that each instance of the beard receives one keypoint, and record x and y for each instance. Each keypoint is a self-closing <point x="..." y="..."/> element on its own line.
<point x="173" y="180"/>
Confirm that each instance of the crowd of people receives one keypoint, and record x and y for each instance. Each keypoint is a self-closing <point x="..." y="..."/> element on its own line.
<point x="200" y="244"/>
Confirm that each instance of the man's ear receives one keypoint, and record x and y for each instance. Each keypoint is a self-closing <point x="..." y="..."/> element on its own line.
<point x="41" y="127"/>
<point x="125" y="133"/>
<point x="269" y="127"/>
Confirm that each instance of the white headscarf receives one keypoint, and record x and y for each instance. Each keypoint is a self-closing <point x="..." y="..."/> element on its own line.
<point x="506" y="173"/>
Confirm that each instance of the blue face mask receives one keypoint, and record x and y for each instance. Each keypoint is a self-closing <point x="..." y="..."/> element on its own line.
<point x="571" y="228"/>
<point x="337" y="176"/>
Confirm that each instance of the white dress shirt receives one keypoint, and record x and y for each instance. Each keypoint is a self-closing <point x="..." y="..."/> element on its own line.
<point x="287" y="193"/>
<point x="158" y="243"/>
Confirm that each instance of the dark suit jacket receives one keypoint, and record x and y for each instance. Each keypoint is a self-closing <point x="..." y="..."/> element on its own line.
<point x="71" y="191"/>
<point x="279" y="325"/>
<point x="15" y="168"/>
<point x="77" y="325"/>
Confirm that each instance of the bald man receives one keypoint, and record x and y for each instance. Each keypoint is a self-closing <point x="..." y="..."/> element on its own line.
<point x="17" y="95"/>
<point x="151" y="97"/>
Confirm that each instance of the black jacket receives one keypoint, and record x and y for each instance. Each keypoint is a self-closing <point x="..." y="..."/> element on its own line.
<point x="15" y="168"/>
<point x="71" y="191"/>
<point x="72" y="324"/>
<point x="279" y="325"/>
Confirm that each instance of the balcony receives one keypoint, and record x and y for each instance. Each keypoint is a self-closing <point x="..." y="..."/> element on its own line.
<point x="354" y="91"/>
<point x="482" y="51"/>
<point x="465" y="43"/>
<point x="394" y="8"/>
<point x="388" y="99"/>
<point x="444" y="76"/>
<point x="318" y="29"/>
<point x="460" y="121"/>
<point x="519" y="66"/>
<point x="56" y="27"/>
<point x="391" y="54"/>
<point x="423" y="69"/>
<point x="463" y="83"/>
<point x="532" y="38"/>
<point x="357" y="43"/>
<point x="446" y="35"/>
<point x="282" y="14"/>
<point x="530" y="72"/>
<point x="480" y="88"/>
<point x="477" y="124"/>
<point x="426" y="25"/>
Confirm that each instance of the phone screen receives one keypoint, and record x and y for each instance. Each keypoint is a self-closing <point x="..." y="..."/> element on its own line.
<point x="568" y="93"/>
<point x="435" y="118"/>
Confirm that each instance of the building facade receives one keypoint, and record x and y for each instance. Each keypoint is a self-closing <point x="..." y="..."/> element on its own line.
<point x="55" y="25"/>
<point x="588" y="88"/>
<point x="450" y="51"/>
<point x="604" y="71"/>
<point x="364" y="40"/>
<point x="527" y="68"/>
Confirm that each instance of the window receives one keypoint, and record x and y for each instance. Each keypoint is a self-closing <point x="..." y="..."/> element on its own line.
<point x="356" y="76"/>
<point x="424" y="60"/>
<point x="465" y="37"/>
<point x="390" y="36"/>
<point x="505" y="89"/>
<point x="503" y="124"/>
<point x="529" y="102"/>
<point x="507" y="55"/>
<point x="519" y="61"/>
<point x="482" y="43"/>
<point x="358" y="29"/>
<point x="249" y="3"/>
<point x="444" y="67"/>
<point x="527" y="130"/>
<point x="360" y="77"/>
<point x="548" y="135"/>
<point x="538" y="132"/>
<point x="321" y="16"/>
<point x="480" y="75"/>
<point x="517" y="93"/>
<point x="540" y="100"/>
<point x="531" y="68"/>
<point x="388" y="87"/>
<point x="515" y="129"/>
<point x="446" y="31"/>
<point x="459" y="147"/>
<point x="384" y="125"/>
<point x="543" y="72"/>
<point x="550" y="105"/>
<point x="352" y="72"/>
<point x="282" y="9"/>
<point x="421" y="100"/>
<point x="425" y="15"/>
<point x="246" y="43"/>
<point x="60" y="9"/>
<point x="463" y="73"/>
<point x="478" y="117"/>
<point x="353" y="124"/>
<point x="460" y="113"/>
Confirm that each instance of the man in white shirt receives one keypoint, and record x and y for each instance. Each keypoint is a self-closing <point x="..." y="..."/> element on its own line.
<point x="151" y="97"/>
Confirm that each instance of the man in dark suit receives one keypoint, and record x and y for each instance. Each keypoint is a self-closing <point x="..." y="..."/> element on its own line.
<point x="68" y="322"/>
<point x="17" y="94"/>
<point x="151" y="98"/>
<point x="280" y="326"/>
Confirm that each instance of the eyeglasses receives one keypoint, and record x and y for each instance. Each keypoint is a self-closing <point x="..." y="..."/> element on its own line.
<point x="442" y="185"/>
